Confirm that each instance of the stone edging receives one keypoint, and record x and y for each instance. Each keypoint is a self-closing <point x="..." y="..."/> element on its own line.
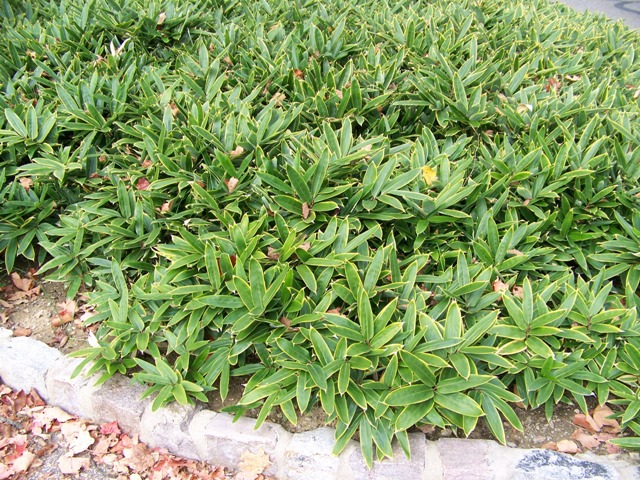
<point x="200" y="434"/>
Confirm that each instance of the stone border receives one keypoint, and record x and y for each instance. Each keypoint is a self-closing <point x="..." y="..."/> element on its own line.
<point x="200" y="434"/>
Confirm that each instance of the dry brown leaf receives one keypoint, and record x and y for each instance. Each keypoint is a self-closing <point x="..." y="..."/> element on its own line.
<point x="252" y="465"/>
<point x="143" y="184"/>
<point x="48" y="415"/>
<point x="23" y="462"/>
<point x="586" y="440"/>
<point x="22" y="332"/>
<point x="146" y="164"/>
<point x="110" y="428"/>
<point x="166" y="206"/>
<point x="567" y="446"/>
<point x="305" y="210"/>
<point x="427" y="429"/>
<point x="68" y="306"/>
<point x="73" y="465"/>
<point x="550" y="446"/>
<point x="138" y="458"/>
<point x="237" y="152"/>
<point x="24" y="284"/>
<point x="298" y="73"/>
<point x="102" y="446"/>
<point x="15" y="440"/>
<point x="518" y="292"/>
<point x="612" y="449"/>
<point x="232" y="183"/>
<point x="81" y="442"/>
<point x="600" y="414"/>
<point x="161" y="18"/>
<point x="26" y="183"/>
<point x="587" y="422"/>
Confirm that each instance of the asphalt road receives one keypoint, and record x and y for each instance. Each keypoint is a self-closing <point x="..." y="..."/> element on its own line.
<point x="626" y="10"/>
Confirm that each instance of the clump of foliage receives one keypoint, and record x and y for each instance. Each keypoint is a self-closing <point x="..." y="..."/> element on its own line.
<point x="408" y="212"/>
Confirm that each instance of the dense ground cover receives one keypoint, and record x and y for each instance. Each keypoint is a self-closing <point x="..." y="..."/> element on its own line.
<point x="409" y="212"/>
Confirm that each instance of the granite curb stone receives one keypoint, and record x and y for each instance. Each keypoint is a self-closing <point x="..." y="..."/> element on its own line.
<point x="169" y="428"/>
<point x="209" y="436"/>
<point x="71" y="394"/>
<point x="24" y="363"/>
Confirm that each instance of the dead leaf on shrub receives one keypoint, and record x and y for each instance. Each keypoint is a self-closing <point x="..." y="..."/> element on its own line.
<point x="429" y="175"/>
<point x="143" y="184"/>
<point x="161" y="18"/>
<point x="272" y="253"/>
<point x="232" y="183"/>
<point x="499" y="286"/>
<point x="567" y="446"/>
<point x="305" y="211"/>
<point x="237" y="152"/>
<point x="518" y="292"/>
<point x="26" y="183"/>
<point x="305" y="246"/>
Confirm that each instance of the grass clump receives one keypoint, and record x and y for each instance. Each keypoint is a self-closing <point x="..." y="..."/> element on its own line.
<point x="407" y="212"/>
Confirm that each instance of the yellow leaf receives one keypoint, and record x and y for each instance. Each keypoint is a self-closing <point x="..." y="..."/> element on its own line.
<point x="429" y="175"/>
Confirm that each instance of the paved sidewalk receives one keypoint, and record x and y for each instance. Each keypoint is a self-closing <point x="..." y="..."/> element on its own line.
<point x="200" y="434"/>
<point x="626" y="10"/>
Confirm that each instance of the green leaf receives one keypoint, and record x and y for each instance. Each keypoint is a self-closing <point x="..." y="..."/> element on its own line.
<point x="221" y="301"/>
<point x="412" y="414"/>
<point x="299" y="185"/>
<point x="15" y="122"/>
<point x="459" y="403"/>
<point x="453" y="322"/>
<point x="409" y="395"/>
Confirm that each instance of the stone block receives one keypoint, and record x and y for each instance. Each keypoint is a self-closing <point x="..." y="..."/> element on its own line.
<point x="24" y="363"/>
<point x="545" y="464"/>
<point x="168" y="428"/>
<point x="5" y="333"/>
<point x="399" y="466"/>
<point x="308" y="457"/>
<point x="220" y="441"/>
<point x="119" y="399"/>
<point x="71" y="394"/>
<point x="464" y="459"/>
